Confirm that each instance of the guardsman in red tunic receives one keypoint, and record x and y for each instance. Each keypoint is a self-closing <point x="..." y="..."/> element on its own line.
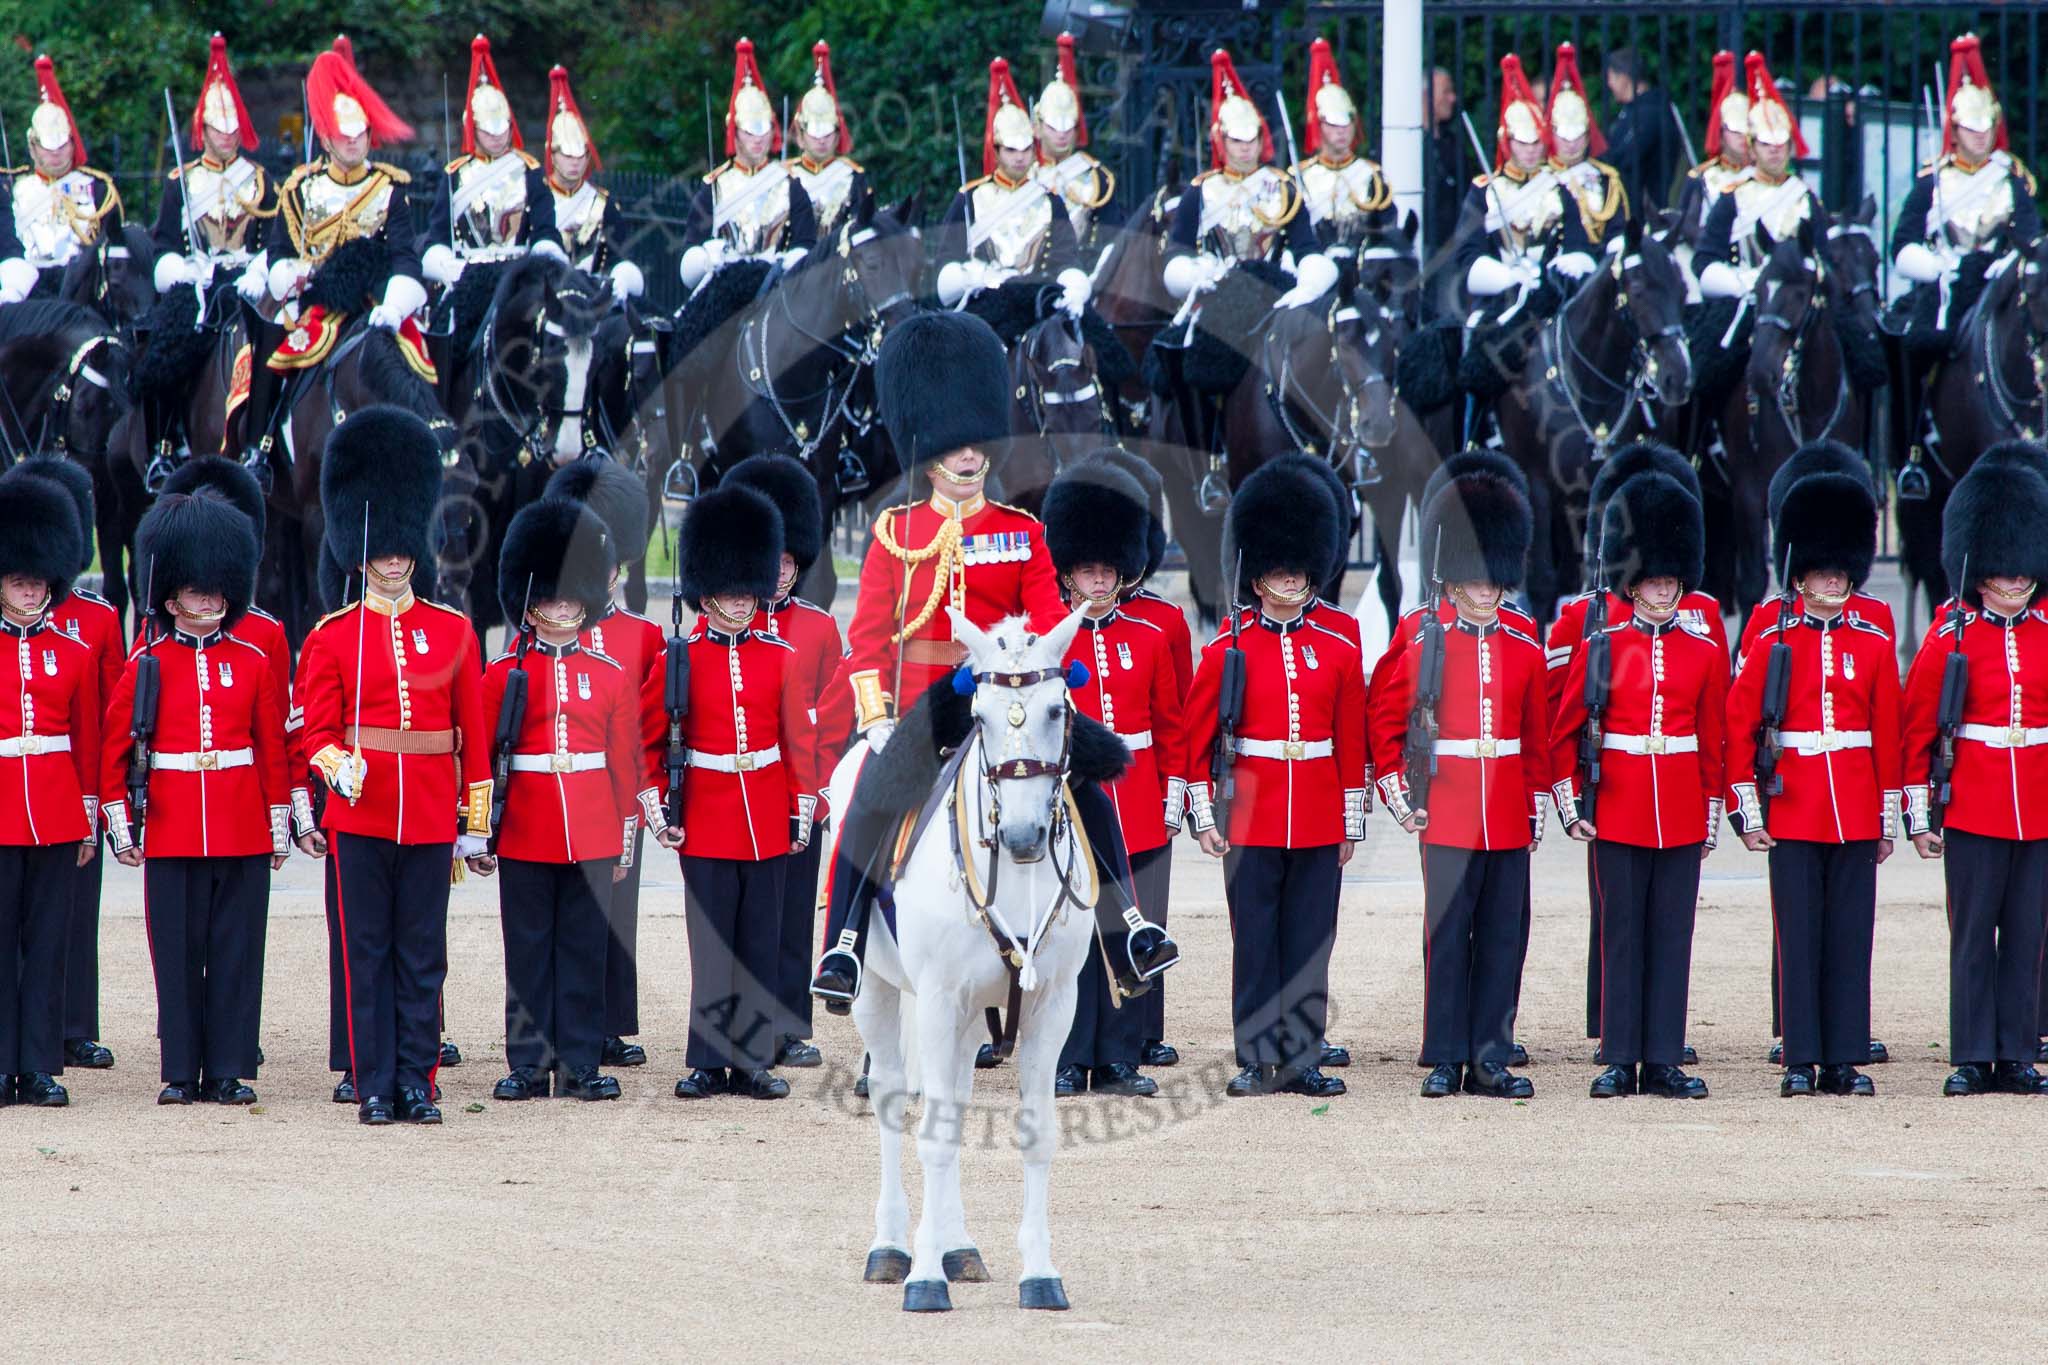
<point x="392" y="692"/>
<point x="1818" y="457"/>
<point x="1095" y="528"/>
<point x="1650" y="725"/>
<point x="215" y="814"/>
<point x="576" y="775"/>
<point x="828" y="711"/>
<point x="92" y="621"/>
<point x="49" y="759"/>
<point x="1487" y="763"/>
<point x="1697" y="612"/>
<point x="943" y="384"/>
<point x="747" y="801"/>
<point x="1837" y="759"/>
<point x="1976" y="787"/>
<point x="1144" y="603"/>
<point x="637" y="644"/>
<point x="1291" y="768"/>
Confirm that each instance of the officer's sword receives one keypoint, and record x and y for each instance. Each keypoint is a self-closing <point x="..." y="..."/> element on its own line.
<point x="1692" y="156"/>
<point x="6" y="153"/>
<point x="362" y="612"/>
<point x="959" y="141"/>
<point x="1287" y="130"/>
<point x="1500" y="205"/>
<point x="185" y="202"/>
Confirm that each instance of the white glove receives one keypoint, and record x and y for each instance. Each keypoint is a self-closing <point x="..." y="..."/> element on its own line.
<point x="346" y="779"/>
<point x="627" y="281"/>
<point x="288" y="277"/>
<point x="701" y="260"/>
<point x="403" y="296"/>
<point x="17" y="279"/>
<point x="1314" y="276"/>
<point x="173" y="270"/>
<point x="1721" y="280"/>
<point x="1921" y="263"/>
<point x="548" y="246"/>
<point x="254" y="282"/>
<point x="878" y="734"/>
<point x="470" y="845"/>
<point x="958" y="279"/>
<point x="440" y="264"/>
<point x="1074" y="292"/>
<point x="1489" y="277"/>
<point x="793" y="257"/>
<point x="1573" y="265"/>
<point x="1183" y="275"/>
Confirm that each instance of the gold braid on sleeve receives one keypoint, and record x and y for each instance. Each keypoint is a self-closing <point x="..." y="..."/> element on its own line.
<point x="1103" y="177"/>
<point x="945" y="547"/>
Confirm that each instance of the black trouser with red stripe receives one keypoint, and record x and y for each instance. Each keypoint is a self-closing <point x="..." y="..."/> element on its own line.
<point x="205" y="921"/>
<point x="622" y="949"/>
<point x="553" y="918"/>
<point x="1104" y="1032"/>
<point x="1824" y="908"/>
<point x="734" y="910"/>
<point x="1995" y="931"/>
<point x="1645" y="900"/>
<point x="35" y="902"/>
<point x="1283" y="916"/>
<point x="392" y="901"/>
<point x="799" y="920"/>
<point x="82" y="951"/>
<point x="1471" y="951"/>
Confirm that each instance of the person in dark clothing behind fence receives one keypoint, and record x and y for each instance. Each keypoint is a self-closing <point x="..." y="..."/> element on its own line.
<point x="1642" y="139"/>
<point x="1446" y="173"/>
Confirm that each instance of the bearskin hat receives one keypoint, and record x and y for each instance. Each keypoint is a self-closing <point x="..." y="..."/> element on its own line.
<point x="1477" y="529"/>
<point x="731" y="542"/>
<point x="39" y="534"/>
<point x="201" y="541"/>
<point x="616" y="494"/>
<point x="383" y="463"/>
<point x="1815" y="457"/>
<point x="1473" y="460"/>
<point x="943" y="382"/>
<point x="1996" y="521"/>
<point x="230" y="479"/>
<point x="1154" y="484"/>
<point x="1323" y="475"/>
<point x="1643" y="457"/>
<point x="1651" y="528"/>
<point x="1826" y="521"/>
<point x="789" y="484"/>
<point x="1277" y="521"/>
<point x="555" y="548"/>
<point x="1095" y="513"/>
<point x="76" y="482"/>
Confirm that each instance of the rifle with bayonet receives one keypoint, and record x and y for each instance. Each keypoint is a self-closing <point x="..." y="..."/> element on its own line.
<point x="1948" y="713"/>
<point x="1599" y="681"/>
<point x="1419" y="751"/>
<point x="1777" y="696"/>
<point x="511" y="721"/>
<point x="1229" y="714"/>
<point x="675" y="697"/>
<point x="142" y="719"/>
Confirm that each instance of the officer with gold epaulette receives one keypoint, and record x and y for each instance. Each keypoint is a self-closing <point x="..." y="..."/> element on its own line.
<point x="1575" y="147"/>
<point x="391" y="691"/>
<point x="57" y="205"/>
<point x="1084" y="185"/>
<point x="837" y="186"/>
<point x="752" y="207"/>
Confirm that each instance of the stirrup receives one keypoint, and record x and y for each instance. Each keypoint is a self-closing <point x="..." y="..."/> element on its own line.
<point x="256" y="459"/>
<point x="851" y="475"/>
<point x="162" y="465"/>
<point x="837" y="980"/>
<point x="1365" y="468"/>
<point x="1912" y="480"/>
<point x="1149" y="951"/>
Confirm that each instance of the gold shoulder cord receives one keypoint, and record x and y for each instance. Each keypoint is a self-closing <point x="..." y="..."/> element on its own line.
<point x="253" y="205"/>
<point x="1292" y="193"/>
<point x="1103" y="177"/>
<point x="1377" y="195"/>
<point x="945" y="547"/>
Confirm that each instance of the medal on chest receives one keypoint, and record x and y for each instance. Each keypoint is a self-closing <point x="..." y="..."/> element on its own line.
<point x="1123" y="654"/>
<point x="1849" y="666"/>
<point x="996" y="547"/>
<point x="227" y="674"/>
<point x="71" y="628"/>
<point x="1308" y="655"/>
<point x="583" y="686"/>
<point x="419" y="640"/>
<point x="50" y="662"/>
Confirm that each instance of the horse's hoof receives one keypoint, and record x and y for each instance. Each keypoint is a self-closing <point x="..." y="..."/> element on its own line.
<point x="927" y="1296"/>
<point x="887" y="1265"/>
<point x="1045" y="1292"/>
<point x="964" y="1265"/>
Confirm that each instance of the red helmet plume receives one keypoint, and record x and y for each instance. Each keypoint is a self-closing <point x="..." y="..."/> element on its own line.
<point x="566" y="120"/>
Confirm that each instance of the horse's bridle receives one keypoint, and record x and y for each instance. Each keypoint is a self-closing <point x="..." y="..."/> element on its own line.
<point x="1785" y="393"/>
<point x="1633" y="390"/>
<point x="57" y="416"/>
<point x="2008" y="405"/>
<point x="1340" y="421"/>
<point x="1038" y="394"/>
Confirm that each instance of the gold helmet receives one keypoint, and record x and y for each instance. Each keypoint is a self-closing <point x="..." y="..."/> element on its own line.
<point x="1571" y="115"/>
<point x="818" y="113"/>
<point x="748" y="110"/>
<point x="1770" y="121"/>
<point x="486" y="110"/>
<point x="51" y="126"/>
<point x="1232" y="115"/>
<point x="567" y="132"/>
<point x="1328" y="101"/>
<point x="1521" y="118"/>
<point x="1059" y="104"/>
<point x="1731" y="103"/>
<point x="1971" y="102"/>
<point x="1008" y="126"/>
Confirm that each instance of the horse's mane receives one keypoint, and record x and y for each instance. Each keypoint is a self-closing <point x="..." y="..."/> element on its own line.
<point x="534" y="268"/>
<point x="386" y="374"/>
<point x="41" y="317"/>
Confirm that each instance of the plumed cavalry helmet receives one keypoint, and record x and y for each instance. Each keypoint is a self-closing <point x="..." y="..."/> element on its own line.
<point x="1651" y="528"/>
<point x="1328" y="101"/>
<point x="1971" y="102"/>
<point x="1096" y="514"/>
<point x="1521" y="118"/>
<point x="51" y="125"/>
<point x="567" y="132"/>
<point x="747" y="109"/>
<point x="1279" y="522"/>
<point x="1770" y="120"/>
<point x="382" y="471"/>
<point x="199" y="541"/>
<point x="342" y="103"/>
<point x="1007" y="126"/>
<point x="731" y="543"/>
<point x="1996" y="521"/>
<point x="1570" y="114"/>
<point x="1826" y="521"/>
<point x="943" y="382"/>
<point x="486" y="110"/>
<point x="220" y="104"/>
<point x="39" y="535"/>
<point x="818" y="112"/>
<point x="1482" y="523"/>
<point x="788" y="483"/>
<point x="618" y="497"/>
<point x="1232" y="115"/>
<point x="1059" y="104"/>
<point x="555" y="549"/>
<point x="1729" y="107"/>
<point x="72" y="480"/>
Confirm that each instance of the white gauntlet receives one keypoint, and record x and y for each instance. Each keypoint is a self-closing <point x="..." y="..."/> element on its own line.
<point x="1176" y="804"/>
<point x="1394" y="796"/>
<point x="280" y="830"/>
<point x="1200" y="808"/>
<point x="1889" y="826"/>
<point x="115" y="813"/>
<point x="1716" y="808"/>
<point x="1354" y="813"/>
<point x="653" y="812"/>
<point x="632" y="823"/>
<point x="1919" y="810"/>
<point x="302" y="813"/>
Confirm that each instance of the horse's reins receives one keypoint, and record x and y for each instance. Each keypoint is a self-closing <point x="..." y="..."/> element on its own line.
<point x="1785" y="394"/>
<point x="1632" y="390"/>
<point x="2009" y="405"/>
<point x="58" y="412"/>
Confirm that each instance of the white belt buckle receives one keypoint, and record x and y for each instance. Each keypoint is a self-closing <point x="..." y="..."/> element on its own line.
<point x="559" y="762"/>
<point x="1653" y="744"/>
<point x="1291" y="749"/>
<point x="2015" y="737"/>
<point x="743" y="762"/>
<point x="1484" y="748"/>
<point x="31" y="744"/>
<point x="207" y="760"/>
<point x="1829" y="741"/>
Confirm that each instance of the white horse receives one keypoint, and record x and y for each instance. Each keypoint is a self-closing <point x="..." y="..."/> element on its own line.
<point x="1022" y="876"/>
